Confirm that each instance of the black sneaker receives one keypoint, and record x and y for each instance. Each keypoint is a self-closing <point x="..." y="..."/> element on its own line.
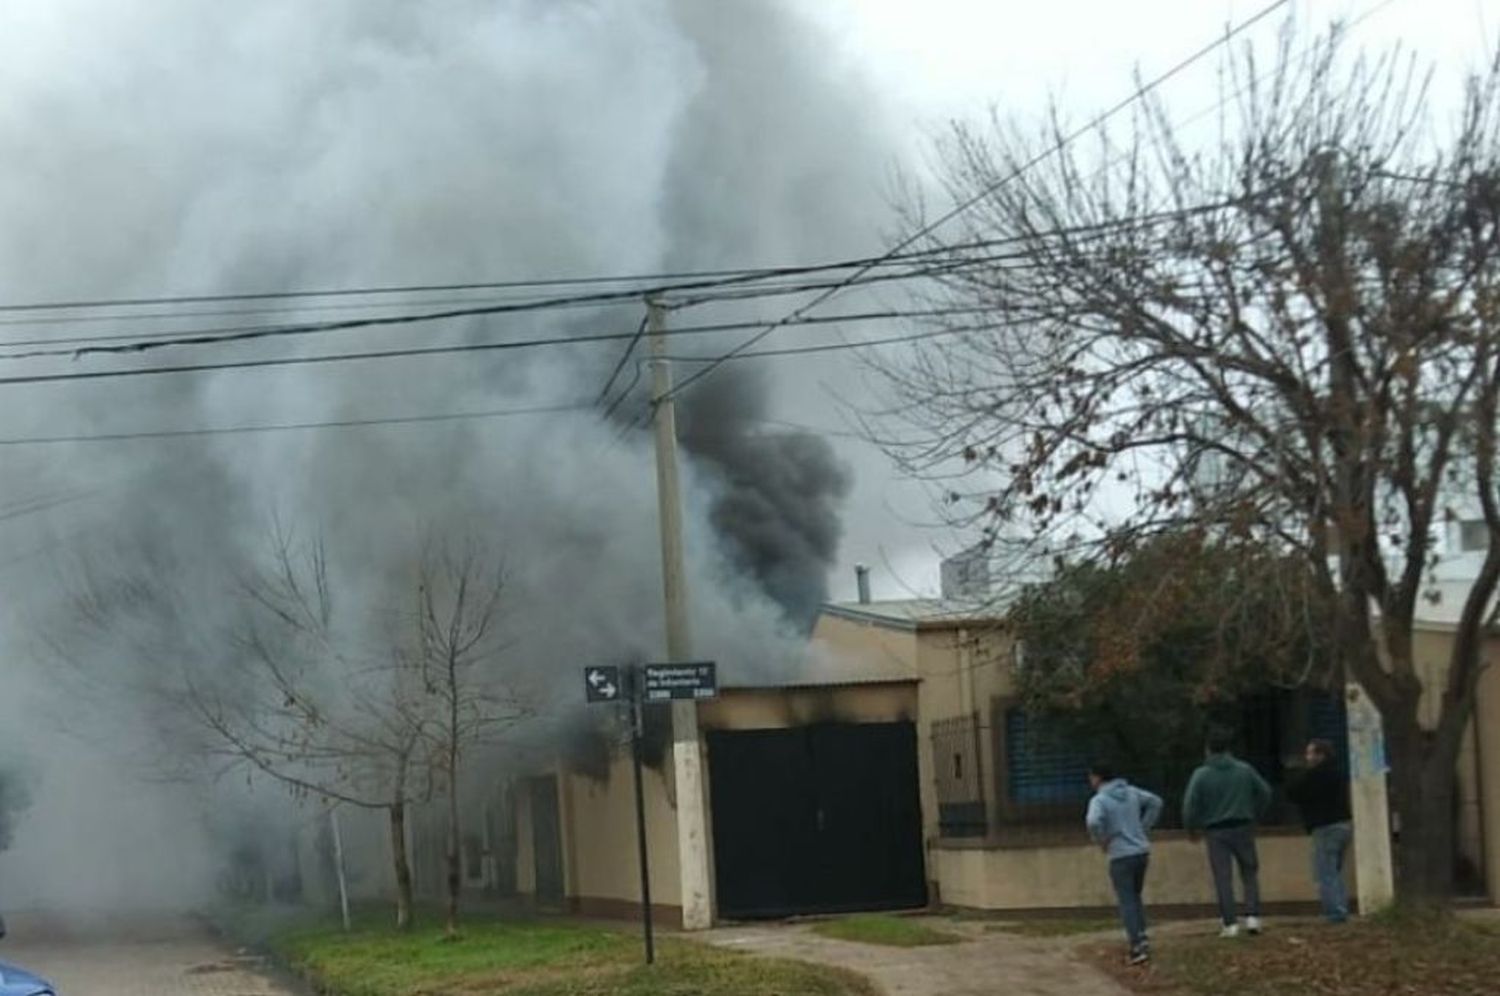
<point x="1139" y="956"/>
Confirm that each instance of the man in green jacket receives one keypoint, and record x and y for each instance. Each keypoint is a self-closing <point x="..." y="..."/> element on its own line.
<point x="1225" y="797"/>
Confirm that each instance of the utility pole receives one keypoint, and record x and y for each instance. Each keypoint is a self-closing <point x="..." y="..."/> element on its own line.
<point x="687" y="757"/>
<point x="1374" y="879"/>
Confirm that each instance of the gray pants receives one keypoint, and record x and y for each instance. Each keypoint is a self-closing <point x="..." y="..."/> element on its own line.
<point x="1227" y="847"/>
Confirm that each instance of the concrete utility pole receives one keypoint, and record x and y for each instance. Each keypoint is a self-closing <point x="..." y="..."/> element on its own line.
<point x="1374" y="881"/>
<point x="687" y="758"/>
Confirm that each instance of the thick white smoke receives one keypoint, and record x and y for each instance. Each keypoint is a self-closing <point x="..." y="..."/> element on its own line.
<point x="187" y="147"/>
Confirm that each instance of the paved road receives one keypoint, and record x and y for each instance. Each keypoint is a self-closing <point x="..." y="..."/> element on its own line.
<point x="168" y="960"/>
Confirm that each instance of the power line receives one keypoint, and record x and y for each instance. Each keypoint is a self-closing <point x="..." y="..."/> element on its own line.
<point x="139" y="342"/>
<point x="624" y="357"/>
<point x="96" y="317"/>
<point x="949" y="258"/>
<point x="838" y="347"/>
<point x="551" y="409"/>
<point x="473" y="347"/>
<point x="135" y="342"/>
<point x="659" y="283"/>
<point x="350" y="423"/>
<point x="292" y="426"/>
<point x="691" y="276"/>
<point x="614" y="405"/>
<point x="964" y="205"/>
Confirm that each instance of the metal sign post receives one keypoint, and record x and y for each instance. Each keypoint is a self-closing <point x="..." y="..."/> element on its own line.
<point x="604" y="684"/>
<point x="636" y="732"/>
<point x="641" y="686"/>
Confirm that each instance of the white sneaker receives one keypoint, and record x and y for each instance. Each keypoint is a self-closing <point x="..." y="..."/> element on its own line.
<point x="1252" y="925"/>
<point x="1229" y="930"/>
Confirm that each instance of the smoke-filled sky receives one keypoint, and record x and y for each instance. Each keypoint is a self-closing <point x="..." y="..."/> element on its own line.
<point x="180" y="147"/>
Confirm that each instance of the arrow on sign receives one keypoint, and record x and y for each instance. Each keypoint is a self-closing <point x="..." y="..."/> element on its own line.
<point x="602" y="684"/>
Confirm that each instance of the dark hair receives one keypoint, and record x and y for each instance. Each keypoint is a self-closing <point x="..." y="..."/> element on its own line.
<point x="1325" y="748"/>
<point x="1220" y="739"/>
<point x="1104" y="771"/>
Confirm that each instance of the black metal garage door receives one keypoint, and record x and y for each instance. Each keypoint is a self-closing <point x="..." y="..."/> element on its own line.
<point x="816" y="819"/>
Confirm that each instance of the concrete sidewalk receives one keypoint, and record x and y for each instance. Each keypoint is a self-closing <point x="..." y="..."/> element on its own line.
<point x="986" y="962"/>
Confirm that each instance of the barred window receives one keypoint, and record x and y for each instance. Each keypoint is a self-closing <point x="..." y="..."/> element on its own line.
<point x="1043" y="767"/>
<point x="960" y="795"/>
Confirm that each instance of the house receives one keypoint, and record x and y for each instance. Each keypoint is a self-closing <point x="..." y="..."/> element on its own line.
<point x="897" y="771"/>
<point x="1003" y="801"/>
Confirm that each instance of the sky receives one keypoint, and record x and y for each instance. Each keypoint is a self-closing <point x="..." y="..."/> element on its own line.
<point x="938" y="61"/>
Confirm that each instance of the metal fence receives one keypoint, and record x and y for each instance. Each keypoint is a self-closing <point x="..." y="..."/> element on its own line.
<point x="959" y="780"/>
<point x="1041" y="775"/>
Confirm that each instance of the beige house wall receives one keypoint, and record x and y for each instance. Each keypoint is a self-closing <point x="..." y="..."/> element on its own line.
<point x="600" y="863"/>
<point x="1486" y="739"/>
<point x="1066" y="876"/>
<point x="860" y="650"/>
<point x="963" y="669"/>
<point x="1478" y="825"/>
<point x="779" y="708"/>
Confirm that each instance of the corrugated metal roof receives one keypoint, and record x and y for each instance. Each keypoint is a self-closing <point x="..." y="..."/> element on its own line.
<point x="921" y="613"/>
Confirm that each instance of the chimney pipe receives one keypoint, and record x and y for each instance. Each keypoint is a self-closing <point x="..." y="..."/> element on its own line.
<point x="862" y="580"/>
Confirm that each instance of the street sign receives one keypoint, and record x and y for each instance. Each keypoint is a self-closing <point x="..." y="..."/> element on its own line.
<point x="601" y="684"/>
<point x="665" y="682"/>
<point x="651" y="683"/>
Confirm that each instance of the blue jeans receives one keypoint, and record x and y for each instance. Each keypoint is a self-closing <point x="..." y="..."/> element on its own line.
<point x="1128" y="876"/>
<point x="1329" y="845"/>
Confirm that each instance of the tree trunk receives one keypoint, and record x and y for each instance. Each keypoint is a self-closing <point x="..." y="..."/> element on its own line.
<point x="397" y="812"/>
<point x="455" y="841"/>
<point x="455" y="860"/>
<point x="1424" y="782"/>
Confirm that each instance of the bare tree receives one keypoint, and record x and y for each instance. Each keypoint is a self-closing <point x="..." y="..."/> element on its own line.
<point x="458" y="654"/>
<point x="320" y="713"/>
<point x="370" y="705"/>
<point x="1283" y="330"/>
<point x="268" y="685"/>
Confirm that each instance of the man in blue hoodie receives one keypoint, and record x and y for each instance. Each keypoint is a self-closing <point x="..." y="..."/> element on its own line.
<point x="1119" y="817"/>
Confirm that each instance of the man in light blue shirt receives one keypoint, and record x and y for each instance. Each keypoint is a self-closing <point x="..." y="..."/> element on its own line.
<point x="1119" y="818"/>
